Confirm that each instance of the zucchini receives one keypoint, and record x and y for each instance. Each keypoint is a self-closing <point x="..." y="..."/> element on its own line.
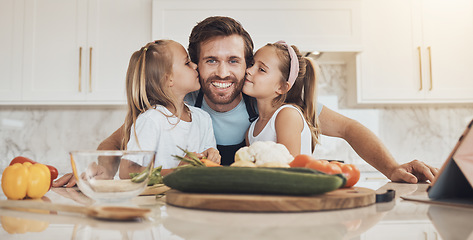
<point x="284" y="181"/>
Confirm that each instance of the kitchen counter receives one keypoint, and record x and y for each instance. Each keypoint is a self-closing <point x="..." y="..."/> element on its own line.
<point x="398" y="219"/>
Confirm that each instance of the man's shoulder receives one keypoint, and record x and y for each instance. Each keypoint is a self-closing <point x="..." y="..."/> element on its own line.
<point x="191" y="97"/>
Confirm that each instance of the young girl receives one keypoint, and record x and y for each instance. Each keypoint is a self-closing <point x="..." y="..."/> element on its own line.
<point x="284" y="85"/>
<point x="159" y="75"/>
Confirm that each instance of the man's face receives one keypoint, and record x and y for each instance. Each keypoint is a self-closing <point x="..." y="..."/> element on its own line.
<point x="222" y="68"/>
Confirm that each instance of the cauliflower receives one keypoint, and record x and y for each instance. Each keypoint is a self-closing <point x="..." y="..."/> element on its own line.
<point x="243" y="163"/>
<point x="265" y="153"/>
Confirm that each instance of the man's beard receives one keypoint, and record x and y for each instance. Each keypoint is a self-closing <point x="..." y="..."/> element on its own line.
<point x="218" y="98"/>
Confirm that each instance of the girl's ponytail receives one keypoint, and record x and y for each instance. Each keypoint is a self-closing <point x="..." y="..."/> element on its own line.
<point x="310" y="99"/>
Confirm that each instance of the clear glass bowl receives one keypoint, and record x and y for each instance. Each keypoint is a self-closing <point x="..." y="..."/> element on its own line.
<point x="104" y="176"/>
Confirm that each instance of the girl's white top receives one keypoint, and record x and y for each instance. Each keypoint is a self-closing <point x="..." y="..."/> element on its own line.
<point x="160" y="133"/>
<point x="269" y="132"/>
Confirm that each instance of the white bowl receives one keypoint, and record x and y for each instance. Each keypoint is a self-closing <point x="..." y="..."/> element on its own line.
<point x="104" y="175"/>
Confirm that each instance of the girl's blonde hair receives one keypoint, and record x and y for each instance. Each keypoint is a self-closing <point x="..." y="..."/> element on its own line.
<point x="303" y="93"/>
<point x="148" y="71"/>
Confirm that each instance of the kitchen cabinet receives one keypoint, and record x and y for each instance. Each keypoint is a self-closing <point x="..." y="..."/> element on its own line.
<point x="78" y="51"/>
<point x="416" y="51"/>
<point x="311" y="25"/>
<point x="10" y="49"/>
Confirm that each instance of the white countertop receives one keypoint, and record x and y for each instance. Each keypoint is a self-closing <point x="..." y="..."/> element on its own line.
<point x="398" y="219"/>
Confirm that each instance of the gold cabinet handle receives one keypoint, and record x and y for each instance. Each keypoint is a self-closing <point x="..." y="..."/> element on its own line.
<point x="420" y="68"/>
<point x="80" y="69"/>
<point x="90" y="69"/>
<point x="430" y="66"/>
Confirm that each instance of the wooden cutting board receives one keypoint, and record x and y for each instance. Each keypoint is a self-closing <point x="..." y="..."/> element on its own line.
<point x="338" y="199"/>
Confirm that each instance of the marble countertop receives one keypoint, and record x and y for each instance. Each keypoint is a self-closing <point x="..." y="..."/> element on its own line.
<point x="399" y="219"/>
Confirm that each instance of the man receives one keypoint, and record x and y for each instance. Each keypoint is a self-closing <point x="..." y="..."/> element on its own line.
<point x="223" y="50"/>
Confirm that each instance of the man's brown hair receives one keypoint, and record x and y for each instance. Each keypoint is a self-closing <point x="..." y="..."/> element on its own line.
<point x="218" y="26"/>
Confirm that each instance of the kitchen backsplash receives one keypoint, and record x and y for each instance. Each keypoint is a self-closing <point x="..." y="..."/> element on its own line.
<point x="48" y="133"/>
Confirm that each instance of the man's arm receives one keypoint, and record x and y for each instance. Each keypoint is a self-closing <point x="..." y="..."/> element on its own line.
<point x="114" y="141"/>
<point x="369" y="147"/>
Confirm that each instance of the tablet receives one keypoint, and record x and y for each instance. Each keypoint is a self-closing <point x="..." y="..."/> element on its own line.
<point x="455" y="179"/>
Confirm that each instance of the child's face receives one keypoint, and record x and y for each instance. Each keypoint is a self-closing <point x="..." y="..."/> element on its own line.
<point x="185" y="78"/>
<point x="263" y="78"/>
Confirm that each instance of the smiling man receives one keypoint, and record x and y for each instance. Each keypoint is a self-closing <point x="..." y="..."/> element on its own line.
<point x="222" y="50"/>
<point x="222" y="71"/>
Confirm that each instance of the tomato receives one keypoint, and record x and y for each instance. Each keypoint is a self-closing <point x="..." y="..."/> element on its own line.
<point x="324" y="166"/>
<point x="301" y="160"/>
<point x="352" y="174"/>
<point x="350" y="171"/>
<point x="53" y="171"/>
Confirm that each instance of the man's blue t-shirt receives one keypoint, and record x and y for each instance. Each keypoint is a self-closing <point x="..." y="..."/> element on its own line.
<point x="229" y="127"/>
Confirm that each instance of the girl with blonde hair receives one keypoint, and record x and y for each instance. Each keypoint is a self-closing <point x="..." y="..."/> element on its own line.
<point x="285" y="85"/>
<point x="159" y="76"/>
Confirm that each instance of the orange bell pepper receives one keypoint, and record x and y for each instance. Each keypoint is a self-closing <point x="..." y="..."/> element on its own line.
<point x="22" y="180"/>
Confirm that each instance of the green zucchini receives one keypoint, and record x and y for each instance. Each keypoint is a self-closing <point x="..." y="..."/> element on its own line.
<point x="284" y="181"/>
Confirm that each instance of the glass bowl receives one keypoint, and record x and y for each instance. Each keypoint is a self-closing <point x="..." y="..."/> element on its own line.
<point x="105" y="176"/>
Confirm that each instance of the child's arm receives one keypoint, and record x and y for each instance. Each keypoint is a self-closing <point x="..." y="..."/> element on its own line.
<point x="289" y="124"/>
<point x="208" y="141"/>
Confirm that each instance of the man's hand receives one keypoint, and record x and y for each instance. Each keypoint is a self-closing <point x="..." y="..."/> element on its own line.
<point x="414" y="172"/>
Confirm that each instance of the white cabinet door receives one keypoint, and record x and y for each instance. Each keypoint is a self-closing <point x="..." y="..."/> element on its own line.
<point x="416" y="52"/>
<point x="10" y="49"/>
<point x="54" y="32"/>
<point x="448" y="33"/>
<point x="116" y="29"/>
<point x="78" y="51"/>
<point x="389" y="60"/>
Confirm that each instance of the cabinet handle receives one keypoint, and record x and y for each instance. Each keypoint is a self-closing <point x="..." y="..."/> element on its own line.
<point x="420" y="68"/>
<point x="90" y="69"/>
<point x="80" y="69"/>
<point x="430" y="66"/>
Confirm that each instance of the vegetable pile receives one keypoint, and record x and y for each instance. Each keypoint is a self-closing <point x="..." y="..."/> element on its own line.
<point x="262" y="168"/>
<point x="25" y="178"/>
<point x="267" y="177"/>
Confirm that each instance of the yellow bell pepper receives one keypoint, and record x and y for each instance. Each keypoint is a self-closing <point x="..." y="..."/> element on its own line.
<point x="22" y="180"/>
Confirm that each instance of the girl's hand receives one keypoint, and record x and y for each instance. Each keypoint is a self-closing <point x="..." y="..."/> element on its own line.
<point x="211" y="154"/>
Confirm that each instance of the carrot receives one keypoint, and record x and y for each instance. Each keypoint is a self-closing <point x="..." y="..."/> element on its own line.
<point x="209" y="163"/>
